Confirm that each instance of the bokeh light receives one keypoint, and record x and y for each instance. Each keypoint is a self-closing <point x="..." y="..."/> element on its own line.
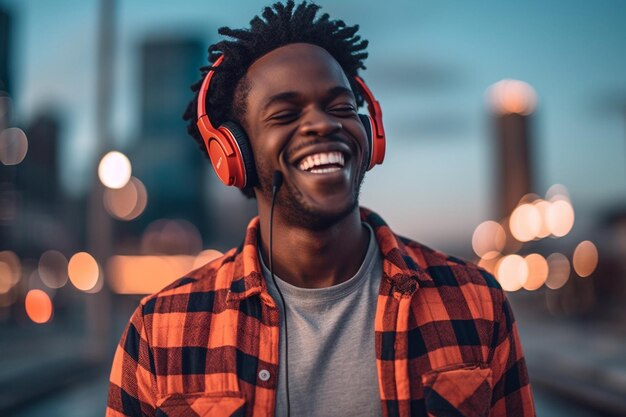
<point x="525" y="222"/>
<point x="53" y="269"/>
<point x="127" y="274"/>
<point x="171" y="237"/>
<point x="114" y="170"/>
<point x="585" y="258"/>
<point x="542" y="207"/>
<point x="97" y="286"/>
<point x="83" y="271"/>
<point x="512" y="272"/>
<point x="528" y="198"/>
<point x="128" y="202"/>
<point x="557" y="192"/>
<point x="489" y="261"/>
<point x="512" y="97"/>
<point x="38" y="306"/>
<point x="489" y="237"/>
<point x="14" y="271"/>
<point x="13" y="146"/>
<point x="537" y="271"/>
<point x="6" y="281"/>
<point x="560" y="217"/>
<point x="205" y="257"/>
<point x="558" y="271"/>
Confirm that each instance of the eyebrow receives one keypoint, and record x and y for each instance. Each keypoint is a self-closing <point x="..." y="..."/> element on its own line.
<point x="292" y="95"/>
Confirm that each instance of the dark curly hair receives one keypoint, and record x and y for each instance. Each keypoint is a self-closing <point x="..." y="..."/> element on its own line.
<point x="280" y="25"/>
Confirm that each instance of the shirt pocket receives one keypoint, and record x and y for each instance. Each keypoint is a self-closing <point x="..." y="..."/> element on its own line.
<point x="460" y="390"/>
<point x="230" y="404"/>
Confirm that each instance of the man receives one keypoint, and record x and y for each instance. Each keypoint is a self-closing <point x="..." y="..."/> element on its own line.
<point x="322" y="310"/>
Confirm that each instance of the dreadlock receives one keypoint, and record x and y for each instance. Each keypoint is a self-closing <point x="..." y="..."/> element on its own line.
<point x="280" y="25"/>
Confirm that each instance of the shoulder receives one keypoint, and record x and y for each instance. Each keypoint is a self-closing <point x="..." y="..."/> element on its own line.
<point x="460" y="285"/>
<point x="448" y="270"/>
<point x="195" y="290"/>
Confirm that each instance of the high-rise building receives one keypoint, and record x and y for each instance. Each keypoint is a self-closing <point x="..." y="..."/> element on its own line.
<point x="179" y="181"/>
<point x="165" y="158"/>
<point x="514" y="163"/>
<point x="513" y="103"/>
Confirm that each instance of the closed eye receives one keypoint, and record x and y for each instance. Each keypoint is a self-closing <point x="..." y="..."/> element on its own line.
<point x="284" y="116"/>
<point x="343" y="111"/>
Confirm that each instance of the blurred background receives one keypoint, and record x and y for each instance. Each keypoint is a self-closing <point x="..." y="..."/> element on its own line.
<point x="506" y="127"/>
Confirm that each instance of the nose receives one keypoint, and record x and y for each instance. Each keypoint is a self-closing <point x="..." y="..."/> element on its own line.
<point x="319" y="123"/>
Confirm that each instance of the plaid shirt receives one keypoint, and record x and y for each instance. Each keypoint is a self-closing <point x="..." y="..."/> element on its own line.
<point x="207" y="345"/>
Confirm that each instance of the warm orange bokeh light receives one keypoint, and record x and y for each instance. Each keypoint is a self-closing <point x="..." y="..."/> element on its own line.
<point x="512" y="97"/>
<point x="128" y="274"/>
<point x="489" y="262"/>
<point x="585" y="258"/>
<point x="537" y="271"/>
<point x="83" y="271"/>
<point x="525" y="222"/>
<point x="5" y="278"/>
<point x="205" y="257"/>
<point x="512" y="272"/>
<point x="38" y="306"/>
<point x="488" y="237"/>
<point x="120" y="202"/>
<point x="558" y="271"/>
<point x="128" y="202"/>
<point x="14" y="265"/>
<point x="560" y="218"/>
<point x="543" y="207"/>
<point x="146" y="274"/>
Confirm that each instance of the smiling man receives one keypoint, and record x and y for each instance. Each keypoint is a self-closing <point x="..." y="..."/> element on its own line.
<point x="322" y="310"/>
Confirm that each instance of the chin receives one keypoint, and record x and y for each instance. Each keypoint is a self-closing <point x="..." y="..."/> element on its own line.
<point x="300" y="212"/>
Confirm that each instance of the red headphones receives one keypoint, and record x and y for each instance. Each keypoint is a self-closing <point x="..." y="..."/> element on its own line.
<point x="230" y="151"/>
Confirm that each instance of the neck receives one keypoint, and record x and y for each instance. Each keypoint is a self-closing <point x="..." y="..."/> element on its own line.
<point x="314" y="258"/>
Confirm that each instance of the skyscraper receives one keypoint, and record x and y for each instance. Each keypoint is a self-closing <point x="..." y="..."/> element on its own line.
<point x="165" y="158"/>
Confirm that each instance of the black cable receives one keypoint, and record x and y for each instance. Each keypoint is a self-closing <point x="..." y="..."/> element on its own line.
<point x="277" y="181"/>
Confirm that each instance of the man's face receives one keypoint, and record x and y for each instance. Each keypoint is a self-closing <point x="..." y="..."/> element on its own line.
<point x="301" y="119"/>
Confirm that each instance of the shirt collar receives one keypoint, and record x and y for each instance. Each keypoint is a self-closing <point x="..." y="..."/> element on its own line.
<point x="400" y="266"/>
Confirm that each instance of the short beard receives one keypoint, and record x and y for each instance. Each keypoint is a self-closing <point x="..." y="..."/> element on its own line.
<point x="297" y="212"/>
<point x="300" y="214"/>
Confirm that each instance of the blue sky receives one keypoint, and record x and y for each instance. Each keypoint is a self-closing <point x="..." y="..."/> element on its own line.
<point x="430" y="64"/>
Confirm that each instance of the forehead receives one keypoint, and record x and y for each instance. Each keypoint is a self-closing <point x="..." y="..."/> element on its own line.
<point x="298" y="67"/>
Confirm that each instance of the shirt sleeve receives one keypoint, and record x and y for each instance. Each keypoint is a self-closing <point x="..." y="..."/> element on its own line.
<point x="512" y="395"/>
<point x="132" y="381"/>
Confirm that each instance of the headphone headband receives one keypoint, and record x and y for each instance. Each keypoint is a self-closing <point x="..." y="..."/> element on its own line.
<point x="204" y="88"/>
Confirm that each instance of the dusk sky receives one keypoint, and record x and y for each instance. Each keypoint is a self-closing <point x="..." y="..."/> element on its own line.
<point x="430" y="65"/>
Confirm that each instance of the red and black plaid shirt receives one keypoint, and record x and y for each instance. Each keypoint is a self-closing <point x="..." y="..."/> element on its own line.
<point x="207" y="345"/>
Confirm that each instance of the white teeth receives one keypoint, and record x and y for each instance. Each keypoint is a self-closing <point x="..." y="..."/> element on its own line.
<point x="325" y="170"/>
<point x="322" y="158"/>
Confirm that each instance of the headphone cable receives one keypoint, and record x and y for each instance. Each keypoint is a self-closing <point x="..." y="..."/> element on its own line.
<point x="277" y="181"/>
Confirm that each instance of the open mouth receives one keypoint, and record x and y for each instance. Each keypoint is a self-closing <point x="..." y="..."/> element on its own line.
<point x="322" y="162"/>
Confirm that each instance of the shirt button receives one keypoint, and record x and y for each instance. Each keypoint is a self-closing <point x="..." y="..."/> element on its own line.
<point x="264" y="375"/>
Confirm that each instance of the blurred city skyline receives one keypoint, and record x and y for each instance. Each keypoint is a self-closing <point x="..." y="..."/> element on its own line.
<point x="430" y="66"/>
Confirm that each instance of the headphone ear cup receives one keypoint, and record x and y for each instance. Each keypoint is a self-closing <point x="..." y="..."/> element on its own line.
<point x="369" y="126"/>
<point x="246" y="152"/>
